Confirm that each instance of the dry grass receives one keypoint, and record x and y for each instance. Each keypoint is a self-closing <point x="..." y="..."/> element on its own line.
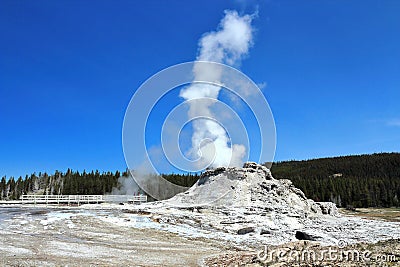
<point x="386" y="214"/>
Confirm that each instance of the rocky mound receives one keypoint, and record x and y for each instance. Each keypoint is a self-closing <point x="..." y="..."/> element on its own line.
<point x="251" y="186"/>
<point x="248" y="207"/>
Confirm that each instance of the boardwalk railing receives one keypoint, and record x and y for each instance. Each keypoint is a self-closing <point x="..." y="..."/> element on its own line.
<point x="81" y="199"/>
<point x="125" y="198"/>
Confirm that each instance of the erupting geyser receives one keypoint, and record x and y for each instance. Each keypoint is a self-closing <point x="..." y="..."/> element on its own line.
<point x="227" y="45"/>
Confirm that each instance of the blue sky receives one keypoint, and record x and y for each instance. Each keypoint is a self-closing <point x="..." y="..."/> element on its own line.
<point x="69" y="68"/>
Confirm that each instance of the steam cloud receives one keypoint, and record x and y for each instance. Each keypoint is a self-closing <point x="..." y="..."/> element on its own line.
<point x="210" y="144"/>
<point x="126" y="186"/>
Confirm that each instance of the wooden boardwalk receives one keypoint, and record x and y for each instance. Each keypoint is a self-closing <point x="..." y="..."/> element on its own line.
<point x="77" y="199"/>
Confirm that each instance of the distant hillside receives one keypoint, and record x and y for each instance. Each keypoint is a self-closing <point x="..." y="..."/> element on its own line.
<point x="359" y="181"/>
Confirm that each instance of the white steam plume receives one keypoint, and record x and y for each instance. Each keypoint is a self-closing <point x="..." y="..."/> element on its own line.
<point x="126" y="186"/>
<point x="210" y="142"/>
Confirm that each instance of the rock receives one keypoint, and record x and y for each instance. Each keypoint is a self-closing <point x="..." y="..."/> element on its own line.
<point x="251" y="186"/>
<point x="212" y="172"/>
<point x="255" y="166"/>
<point x="304" y="236"/>
<point x="251" y="165"/>
<point x="155" y="219"/>
<point x="286" y="182"/>
<point x="298" y="192"/>
<point x="328" y="208"/>
<point x="230" y="199"/>
<point x="265" y="232"/>
<point x="245" y="230"/>
<point x="233" y="222"/>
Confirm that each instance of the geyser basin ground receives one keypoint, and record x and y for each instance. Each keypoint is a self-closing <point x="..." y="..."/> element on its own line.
<point x="107" y="236"/>
<point x="115" y="235"/>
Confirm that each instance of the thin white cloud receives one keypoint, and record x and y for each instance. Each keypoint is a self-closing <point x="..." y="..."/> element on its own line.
<point x="393" y="122"/>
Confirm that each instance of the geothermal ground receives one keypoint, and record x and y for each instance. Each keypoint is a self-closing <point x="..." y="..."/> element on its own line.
<point x="115" y="235"/>
<point x="106" y="236"/>
<point x="223" y="220"/>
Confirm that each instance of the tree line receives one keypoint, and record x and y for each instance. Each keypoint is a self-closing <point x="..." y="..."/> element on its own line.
<point x="75" y="183"/>
<point x="59" y="183"/>
<point x="358" y="181"/>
